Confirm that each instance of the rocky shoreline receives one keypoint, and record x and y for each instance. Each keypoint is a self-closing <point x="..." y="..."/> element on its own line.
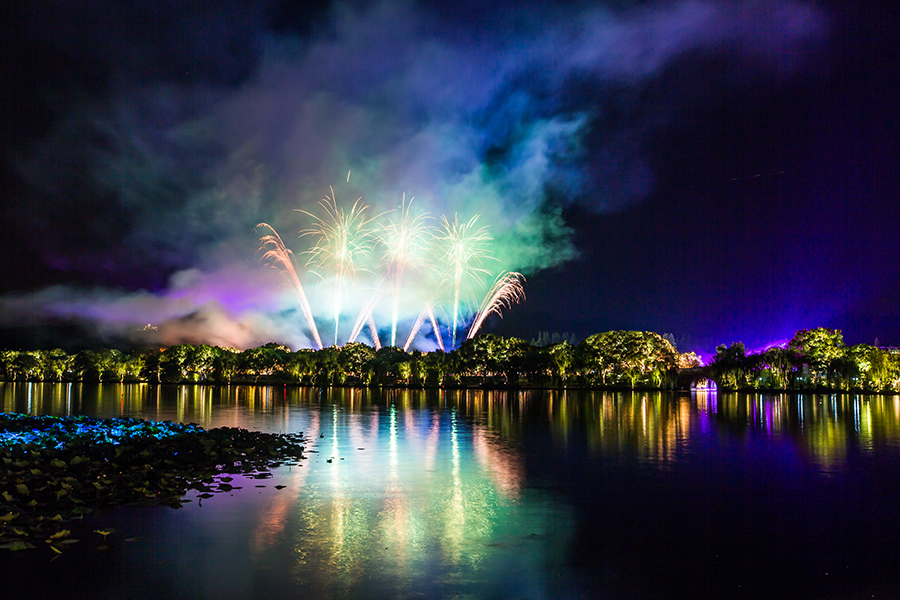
<point x="55" y="470"/>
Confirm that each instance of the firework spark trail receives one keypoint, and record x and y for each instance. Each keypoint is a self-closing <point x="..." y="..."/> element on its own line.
<point x="415" y="329"/>
<point x="405" y="245"/>
<point x="365" y="315"/>
<point x="506" y="291"/>
<point x="373" y="331"/>
<point x="462" y="252"/>
<point x="280" y="258"/>
<point x="434" y="326"/>
<point x="344" y="239"/>
<point x="426" y="312"/>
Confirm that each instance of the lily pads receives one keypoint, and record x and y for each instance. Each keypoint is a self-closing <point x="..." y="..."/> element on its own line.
<point x="54" y="467"/>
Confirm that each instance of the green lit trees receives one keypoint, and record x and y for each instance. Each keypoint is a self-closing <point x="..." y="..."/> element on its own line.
<point x="814" y="359"/>
<point x="27" y="367"/>
<point x="561" y="361"/>
<point x="819" y="349"/>
<point x="782" y="365"/>
<point x="354" y="359"/>
<point x="633" y="358"/>
<point x="265" y="361"/>
<point x="730" y="367"/>
<point x="386" y="365"/>
<point x="56" y="365"/>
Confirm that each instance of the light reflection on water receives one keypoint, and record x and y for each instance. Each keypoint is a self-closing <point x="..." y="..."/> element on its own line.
<point x="404" y="494"/>
<point x="655" y="427"/>
<point x="438" y="494"/>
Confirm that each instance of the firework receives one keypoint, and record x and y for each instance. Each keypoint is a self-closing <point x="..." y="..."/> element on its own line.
<point x="462" y="251"/>
<point x="365" y="318"/>
<point x="506" y="291"/>
<point x="274" y="253"/>
<point x="405" y="244"/>
<point x="343" y="242"/>
<point x="449" y="260"/>
<point x="427" y="312"/>
<point x="414" y="330"/>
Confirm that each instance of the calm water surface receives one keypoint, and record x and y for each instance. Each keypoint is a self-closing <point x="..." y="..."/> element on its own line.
<point x="479" y="494"/>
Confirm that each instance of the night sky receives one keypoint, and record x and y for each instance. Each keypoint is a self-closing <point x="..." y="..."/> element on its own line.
<point x="719" y="170"/>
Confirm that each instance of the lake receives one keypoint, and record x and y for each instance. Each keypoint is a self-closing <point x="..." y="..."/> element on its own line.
<point x="501" y="494"/>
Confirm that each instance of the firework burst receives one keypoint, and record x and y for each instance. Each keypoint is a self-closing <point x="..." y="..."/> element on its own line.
<point x="343" y="242"/>
<point x="506" y="291"/>
<point x="449" y="261"/>
<point x="462" y="251"/>
<point x="405" y="244"/>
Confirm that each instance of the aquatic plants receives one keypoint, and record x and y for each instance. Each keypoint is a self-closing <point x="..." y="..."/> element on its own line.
<point x="57" y="469"/>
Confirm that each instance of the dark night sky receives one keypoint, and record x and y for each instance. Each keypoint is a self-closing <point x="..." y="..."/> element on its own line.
<point x="724" y="171"/>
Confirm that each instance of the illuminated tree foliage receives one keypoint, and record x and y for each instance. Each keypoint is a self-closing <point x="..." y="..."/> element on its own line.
<point x="635" y="358"/>
<point x="815" y="359"/>
<point x="819" y="349"/>
<point x="731" y="368"/>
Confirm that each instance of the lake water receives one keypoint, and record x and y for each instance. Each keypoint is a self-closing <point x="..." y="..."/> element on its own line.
<point x="496" y="494"/>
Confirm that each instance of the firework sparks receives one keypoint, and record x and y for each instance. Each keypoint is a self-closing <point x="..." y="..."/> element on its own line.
<point x="414" y="330"/>
<point x="427" y="312"/>
<point x="506" y="291"/>
<point x="273" y="252"/>
<point x="462" y="251"/>
<point x="451" y="258"/>
<point x="405" y="244"/>
<point x="365" y="317"/>
<point x="343" y="242"/>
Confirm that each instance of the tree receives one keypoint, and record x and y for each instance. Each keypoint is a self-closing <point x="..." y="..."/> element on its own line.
<point x="482" y="355"/>
<point x="730" y="367"/>
<point x="27" y="367"/>
<point x="7" y="358"/>
<point x="818" y="349"/>
<point x="225" y="364"/>
<point x="327" y="365"/>
<point x="200" y="364"/>
<point x="562" y="359"/>
<point x="172" y="363"/>
<point x="87" y="366"/>
<point x="418" y="371"/>
<point x="782" y="365"/>
<point x="875" y="369"/>
<point x="354" y="358"/>
<point x="112" y="364"/>
<point x="437" y="364"/>
<point x="135" y="366"/>
<point x="627" y="357"/>
<point x="259" y="362"/>
<point x="300" y="365"/>
<point x="150" y="357"/>
<point x="385" y="364"/>
<point x="516" y="359"/>
<point x="56" y="363"/>
<point x="689" y="360"/>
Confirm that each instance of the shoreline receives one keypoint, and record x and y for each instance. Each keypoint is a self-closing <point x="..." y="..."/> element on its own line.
<point x="58" y="469"/>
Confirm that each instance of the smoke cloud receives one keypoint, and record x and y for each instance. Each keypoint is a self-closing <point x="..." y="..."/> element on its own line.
<point x="513" y="115"/>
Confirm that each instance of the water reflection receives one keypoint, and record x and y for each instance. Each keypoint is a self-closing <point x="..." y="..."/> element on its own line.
<point x="432" y="493"/>
<point x="403" y="493"/>
<point x="656" y="428"/>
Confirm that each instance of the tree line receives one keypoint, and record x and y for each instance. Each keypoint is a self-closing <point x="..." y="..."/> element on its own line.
<point x="813" y="359"/>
